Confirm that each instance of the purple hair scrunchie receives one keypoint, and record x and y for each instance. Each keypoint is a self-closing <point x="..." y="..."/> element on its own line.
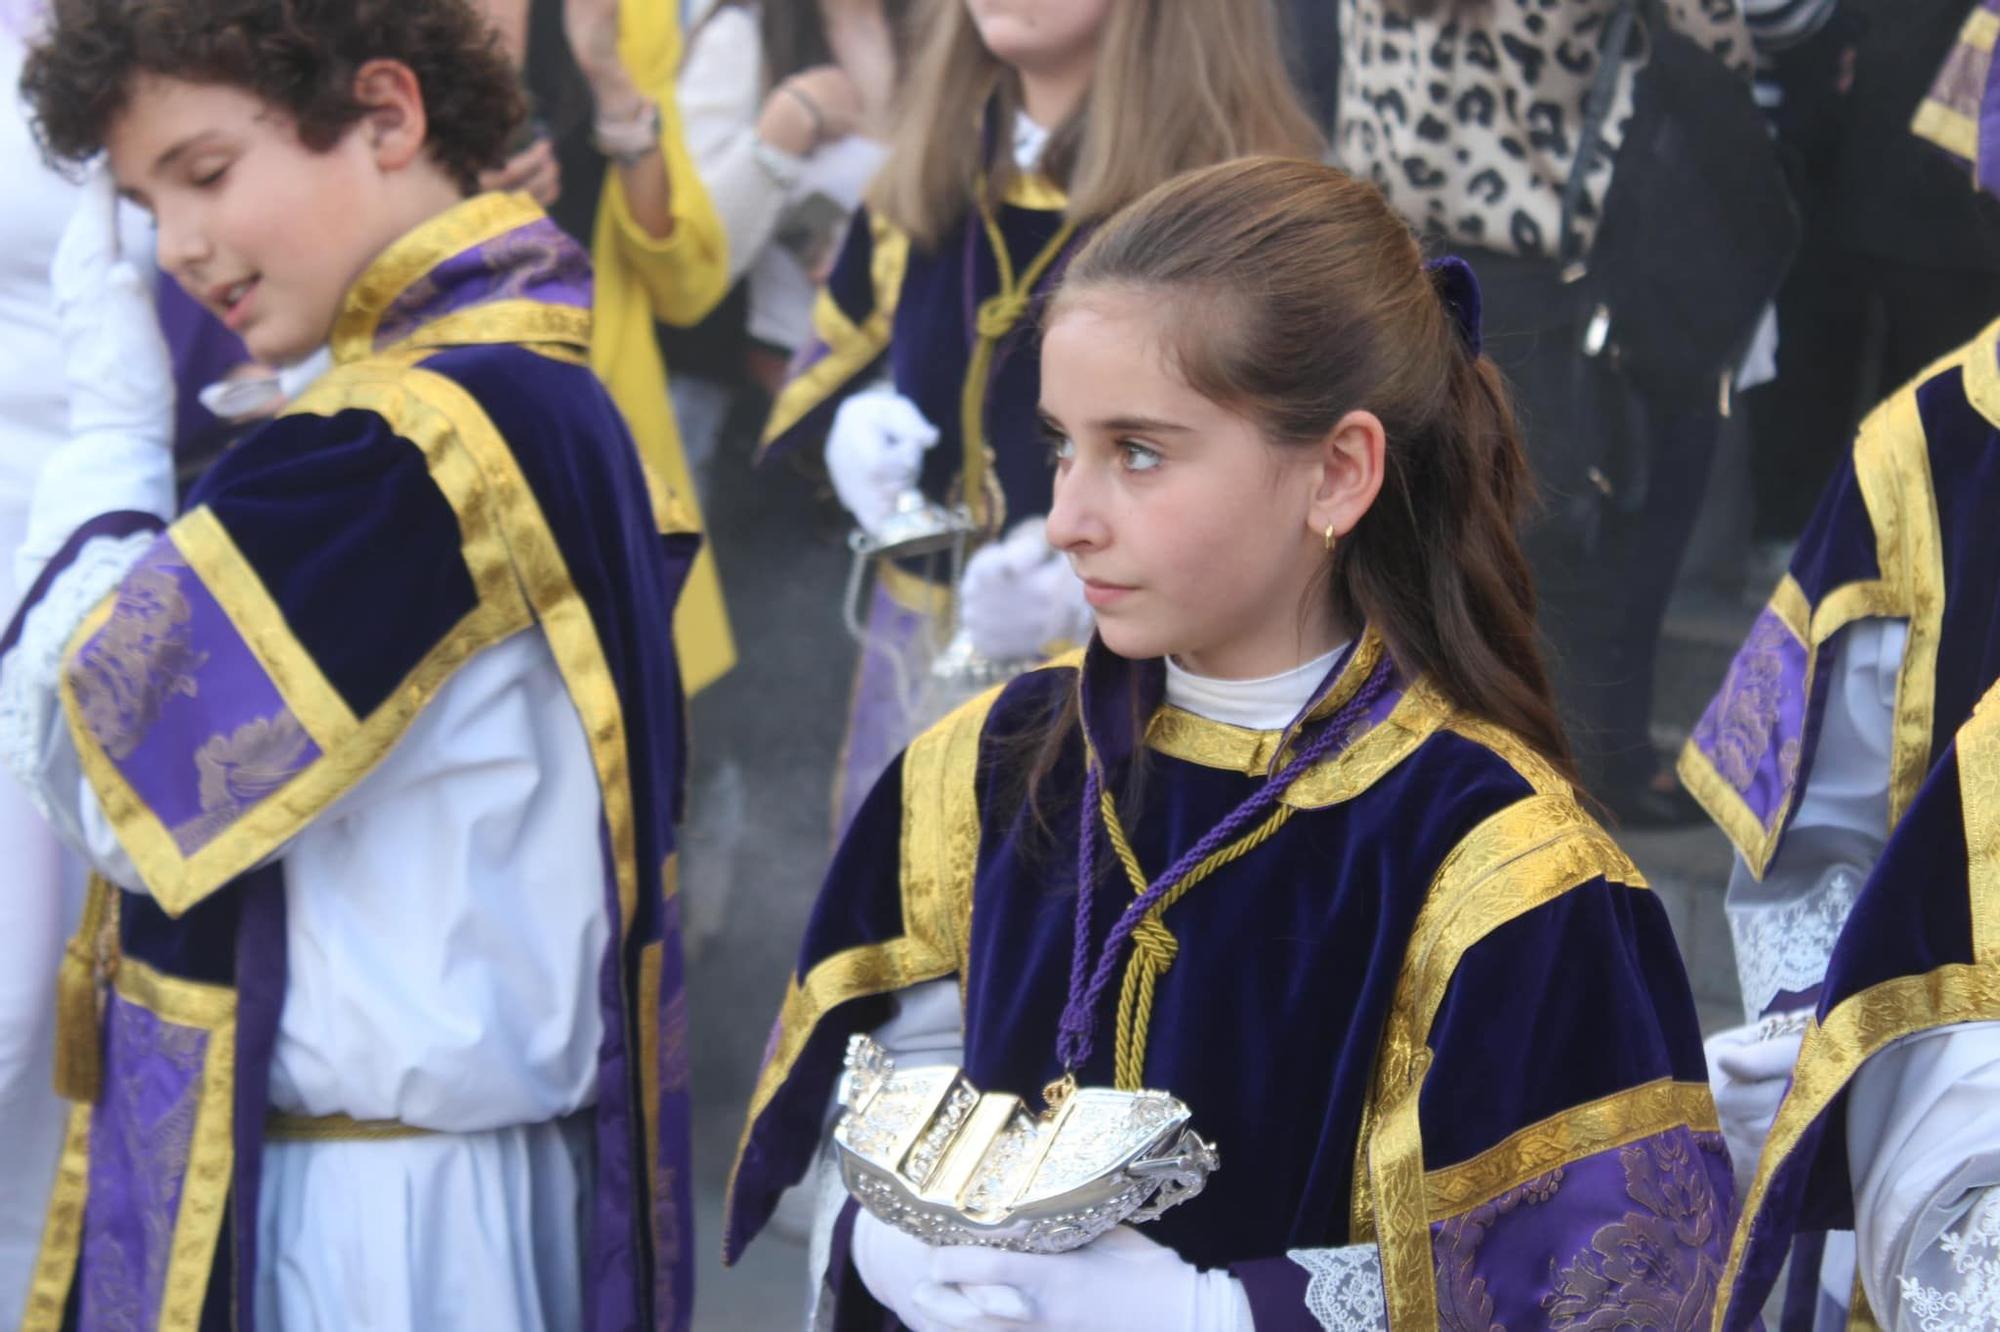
<point x="1458" y="287"/>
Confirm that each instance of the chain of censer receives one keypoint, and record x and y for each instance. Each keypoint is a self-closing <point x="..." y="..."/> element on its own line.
<point x="1154" y="946"/>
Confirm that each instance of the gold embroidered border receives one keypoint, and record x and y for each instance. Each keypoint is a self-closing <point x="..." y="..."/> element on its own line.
<point x="178" y="882"/>
<point x="213" y="555"/>
<point x="62" y="1232"/>
<point x="1583" y="1131"/>
<point x="1892" y="462"/>
<point x="1948" y="128"/>
<point x="940" y="855"/>
<point x="913" y="592"/>
<point x="1979" y="801"/>
<point x="540" y="323"/>
<point x="849" y="346"/>
<point x="1830" y="1055"/>
<point x="478" y="220"/>
<point x="206" y="1187"/>
<point x="1036" y="191"/>
<point x="1525" y="856"/>
<point x="648" y="1007"/>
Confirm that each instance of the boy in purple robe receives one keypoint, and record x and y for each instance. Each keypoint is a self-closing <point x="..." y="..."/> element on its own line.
<point x="375" y="1018"/>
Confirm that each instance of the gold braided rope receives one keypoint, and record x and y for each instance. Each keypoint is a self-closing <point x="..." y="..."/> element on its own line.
<point x="996" y="319"/>
<point x="1153" y="944"/>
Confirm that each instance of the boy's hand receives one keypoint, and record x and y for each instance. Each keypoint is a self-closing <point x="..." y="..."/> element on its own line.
<point x="120" y="376"/>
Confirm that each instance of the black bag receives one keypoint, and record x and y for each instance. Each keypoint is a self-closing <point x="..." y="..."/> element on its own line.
<point x="1698" y="226"/>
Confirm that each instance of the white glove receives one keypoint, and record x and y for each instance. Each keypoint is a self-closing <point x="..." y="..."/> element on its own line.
<point x="1748" y="1072"/>
<point x="120" y="376"/>
<point x="120" y="382"/>
<point x="1121" y="1282"/>
<point x="895" y="1266"/>
<point x="875" y="451"/>
<point x="1019" y="595"/>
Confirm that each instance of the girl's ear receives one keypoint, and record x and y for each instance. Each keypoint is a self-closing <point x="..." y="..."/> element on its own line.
<point x="394" y="118"/>
<point x="1349" y="474"/>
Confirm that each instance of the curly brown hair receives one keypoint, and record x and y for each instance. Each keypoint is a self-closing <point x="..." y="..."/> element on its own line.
<point x="299" y="55"/>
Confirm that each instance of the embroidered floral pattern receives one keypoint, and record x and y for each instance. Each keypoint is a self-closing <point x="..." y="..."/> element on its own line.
<point x="1973" y="1300"/>
<point x="1742" y="732"/>
<point x="1656" y="1267"/>
<point x="237" y="770"/>
<point x="1465" y="1304"/>
<point x="140" y="659"/>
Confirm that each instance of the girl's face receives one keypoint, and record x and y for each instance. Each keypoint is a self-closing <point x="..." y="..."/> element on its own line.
<point x="262" y="230"/>
<point x="1040" y="34"/>
<point x="1194" y="537"/>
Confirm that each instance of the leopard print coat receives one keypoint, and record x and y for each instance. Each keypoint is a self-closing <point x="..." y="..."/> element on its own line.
<point x="1468" y="117"/>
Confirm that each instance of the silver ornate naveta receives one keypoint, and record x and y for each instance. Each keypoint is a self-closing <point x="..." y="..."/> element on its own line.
<point x="927" y="1152"/>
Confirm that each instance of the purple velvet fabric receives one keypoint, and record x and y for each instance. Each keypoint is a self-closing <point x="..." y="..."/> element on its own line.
<point x="1754" y="728"/>
<point x="537" y="262"/>
<point x="171" y="691"/>
<point x="141" y="1133"/>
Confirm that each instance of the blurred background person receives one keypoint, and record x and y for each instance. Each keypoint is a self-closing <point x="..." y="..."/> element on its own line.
<point x="1024" y="121"/>
<point x="604" y="153"/>
<point x="1468" y="114"/>
<point x="1899" y="264"/>
<point x="35" y="914"/>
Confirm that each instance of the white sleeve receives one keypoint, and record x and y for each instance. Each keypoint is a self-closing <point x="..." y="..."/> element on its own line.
<point x="1923" y="1150"/>
<point x="927" y="1027"/>
<point x="35" y="741"/>
<point x="1784" y="927"/>
<point x="720" y="95"/>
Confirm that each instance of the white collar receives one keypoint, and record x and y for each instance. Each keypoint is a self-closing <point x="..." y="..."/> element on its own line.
<point x="1268" y="704"/>
<point x="1029" y="140"/>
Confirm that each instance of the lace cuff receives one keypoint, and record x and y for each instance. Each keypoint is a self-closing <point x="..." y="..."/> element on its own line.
<point x="1335" y="1290"/>
<point x="1783" y="947"/>
<point x="1956" y="1286"/>
<point x="34" y="737"/>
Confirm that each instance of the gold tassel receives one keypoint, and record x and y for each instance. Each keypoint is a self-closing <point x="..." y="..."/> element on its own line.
<point x="86" y="969"/>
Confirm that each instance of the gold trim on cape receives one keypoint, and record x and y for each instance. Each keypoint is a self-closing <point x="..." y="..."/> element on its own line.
<point x="474" y="222"/>
<point x="1892" y="469"/>
<point x="850" y="346"/>
<point x="1525" y="856"/>
<point x="940" y="855"/>
<point x="1579" y="1132"/>
<point x="176" y="881"/>
<point x="62" y="1232"/>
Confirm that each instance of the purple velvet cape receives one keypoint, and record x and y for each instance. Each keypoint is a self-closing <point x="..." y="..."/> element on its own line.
<point x="891" y="307"/>
<point x="1439" y="959"/>
<point x="459" y="477"/>
<point x="1905" y="531"/>
<point x="1921" y="949"/>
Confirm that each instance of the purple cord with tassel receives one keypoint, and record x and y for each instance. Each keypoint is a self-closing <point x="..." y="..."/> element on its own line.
<point x="1086" y="986"/>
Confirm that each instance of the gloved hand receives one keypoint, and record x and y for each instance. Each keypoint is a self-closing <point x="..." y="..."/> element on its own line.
<point x="120" y="376"/>
<point x="875" y="451"/>
<point x="895" y="1266"/>
<point x="1121" y="1282"/>
<point x="1019" y="595"/>
<point x="1748" y="1072"/>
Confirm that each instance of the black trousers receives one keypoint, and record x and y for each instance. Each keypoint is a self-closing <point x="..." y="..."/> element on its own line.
<point x="1621" y="477"/>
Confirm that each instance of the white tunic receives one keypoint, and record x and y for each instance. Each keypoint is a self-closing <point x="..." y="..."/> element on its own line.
<point x="38" y="907"/>
<point x="445" y="925"/>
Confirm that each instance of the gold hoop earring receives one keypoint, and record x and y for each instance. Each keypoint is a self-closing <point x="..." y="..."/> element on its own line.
<point x="1329" y="536"/>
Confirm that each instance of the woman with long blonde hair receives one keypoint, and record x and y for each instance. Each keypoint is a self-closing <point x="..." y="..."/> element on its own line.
<point x="1022" y="123"/>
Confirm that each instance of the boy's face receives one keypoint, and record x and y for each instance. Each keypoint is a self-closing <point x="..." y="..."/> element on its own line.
<point x="262" y="230"/>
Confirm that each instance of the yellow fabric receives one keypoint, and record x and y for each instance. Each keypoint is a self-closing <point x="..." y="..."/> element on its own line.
<point x="677" y="280"/>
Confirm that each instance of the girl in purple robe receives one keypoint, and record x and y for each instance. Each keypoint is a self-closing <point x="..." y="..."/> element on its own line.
<point x="1295" y="839"/>
<point x="1021" y="125"/>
